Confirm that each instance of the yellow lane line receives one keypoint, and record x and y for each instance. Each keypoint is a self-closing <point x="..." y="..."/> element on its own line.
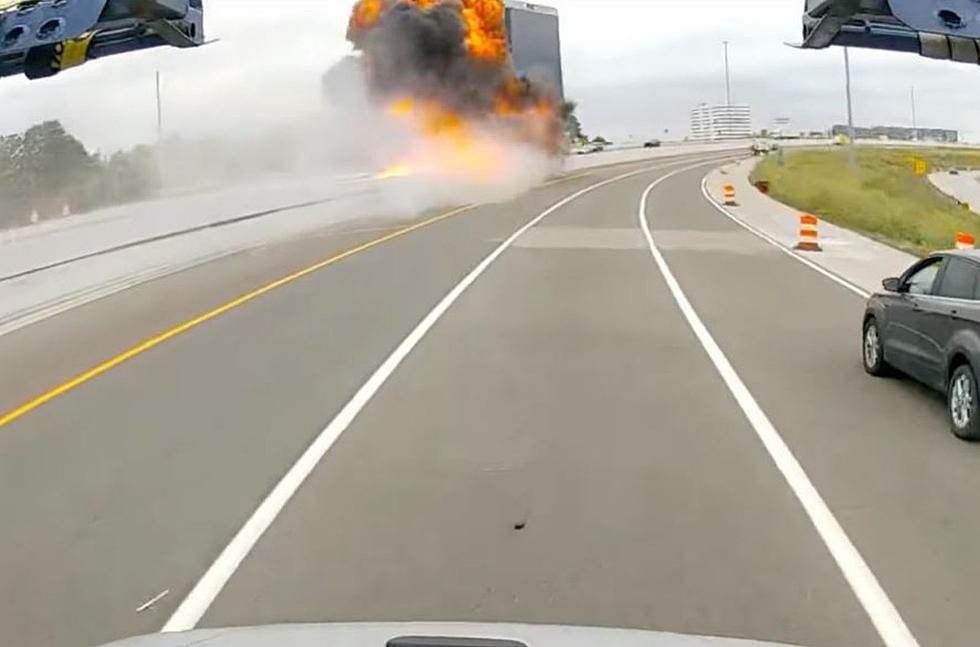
<point x="153" y="342"/>
<point x="139" y="349"/>
<point x="566" y="178"/>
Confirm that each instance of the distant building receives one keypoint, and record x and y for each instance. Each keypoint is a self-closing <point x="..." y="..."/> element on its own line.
<point x="711" y="123"/>
<point x="900" y="134"/>
<point x="534" y="39"/>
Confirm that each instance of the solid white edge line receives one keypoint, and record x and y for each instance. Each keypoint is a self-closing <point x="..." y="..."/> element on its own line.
<point x="872" y="597"/>
<point x="200" y="598"/>
<point x="836" y="278"/>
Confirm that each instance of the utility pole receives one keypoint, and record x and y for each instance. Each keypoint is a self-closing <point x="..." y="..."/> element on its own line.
<point x="159" y="110"/>
<point x="852" y="160"/>
<point x="915" y="121"/>
<point x="726" y="127"/>
<point x="728" y="78"/>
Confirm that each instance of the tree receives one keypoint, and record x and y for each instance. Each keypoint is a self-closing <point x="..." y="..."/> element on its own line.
<point x="54" y="168"/>
<point x="14" y="198"/>
<point x="55" y="158"/>
<point x="45" y="169"/>
<point x="133" y="175"/>
<point x="570" y="122"/>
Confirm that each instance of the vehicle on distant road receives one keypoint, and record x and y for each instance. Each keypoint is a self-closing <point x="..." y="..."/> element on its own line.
<point x="586" y="149"/>
<point x="653" y="143"/>
<point x="926" y="324"/>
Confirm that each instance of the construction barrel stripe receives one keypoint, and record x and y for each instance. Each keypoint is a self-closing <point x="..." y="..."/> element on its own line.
<point x="809" y="233"/>
<point x="729" y="192"/>
<point x="965" y="241"/>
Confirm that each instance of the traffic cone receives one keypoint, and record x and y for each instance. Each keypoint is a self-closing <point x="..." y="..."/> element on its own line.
<point x="729" y="192"/>
<point x="965" y="241"/>
<point x="809" y="234"/>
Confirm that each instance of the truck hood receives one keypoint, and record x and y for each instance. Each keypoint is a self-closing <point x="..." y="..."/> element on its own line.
<point x="379" y="634"/>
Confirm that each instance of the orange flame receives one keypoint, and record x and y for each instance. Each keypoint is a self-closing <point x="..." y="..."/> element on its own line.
<point x="366" y="15"/>
<point x="401" y="107"/>
<point x="485" y="33"/>
<point x="486" y="38"/>
<point x="452" y="146"/>
<point x="398" y="170"/>
<point x="509" y="97"/>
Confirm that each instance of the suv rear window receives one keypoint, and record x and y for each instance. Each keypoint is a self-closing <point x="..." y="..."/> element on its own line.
<point x="959" y="280"/>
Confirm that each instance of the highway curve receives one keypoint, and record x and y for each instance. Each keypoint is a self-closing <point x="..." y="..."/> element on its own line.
<point x="568" y="425"/>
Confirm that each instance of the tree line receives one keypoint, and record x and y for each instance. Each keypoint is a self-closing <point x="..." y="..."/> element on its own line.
<point x="45" y="172"/>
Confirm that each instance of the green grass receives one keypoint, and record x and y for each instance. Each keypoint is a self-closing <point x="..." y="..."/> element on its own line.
<point x="884" y="199"/>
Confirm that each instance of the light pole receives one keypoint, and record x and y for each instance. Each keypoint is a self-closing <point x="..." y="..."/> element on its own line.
<point x="728" y="78"/>
<point x="915" y="121"/>
<point x="850" y="111"/>
<point x="726" y="126"/>
<point x="159" y="110"/>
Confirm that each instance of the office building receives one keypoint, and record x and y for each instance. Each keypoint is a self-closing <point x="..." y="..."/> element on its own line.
<point x="534" y="39"/>
<point x="900" y="133"/>
<point x="712" y="123"/>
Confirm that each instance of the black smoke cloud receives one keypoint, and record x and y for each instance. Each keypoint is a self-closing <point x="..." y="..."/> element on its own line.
<point x="422" y="53"/>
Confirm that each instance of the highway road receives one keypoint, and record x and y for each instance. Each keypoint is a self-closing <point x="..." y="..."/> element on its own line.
<point x="602" y="403"/>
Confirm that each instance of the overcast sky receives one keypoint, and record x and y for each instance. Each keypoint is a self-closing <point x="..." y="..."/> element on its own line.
<point x="636" y="67"/>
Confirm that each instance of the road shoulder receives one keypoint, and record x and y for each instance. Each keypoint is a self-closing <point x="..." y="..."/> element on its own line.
<point x="855" y="258"/>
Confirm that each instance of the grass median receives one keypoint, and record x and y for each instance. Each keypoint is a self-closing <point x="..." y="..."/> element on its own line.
<point x="884" y="199"/>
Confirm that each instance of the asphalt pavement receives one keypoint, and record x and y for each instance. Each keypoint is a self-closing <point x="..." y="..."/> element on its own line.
<point x="557" y="447"/>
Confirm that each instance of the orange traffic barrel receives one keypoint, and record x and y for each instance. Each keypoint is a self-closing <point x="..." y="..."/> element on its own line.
<point x="729" y="192"/>
<point x="965" y="241"/>
<point x="809" y="234"/>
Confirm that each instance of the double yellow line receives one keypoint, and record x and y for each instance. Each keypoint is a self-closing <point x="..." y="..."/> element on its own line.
<point x="153" y="342"/>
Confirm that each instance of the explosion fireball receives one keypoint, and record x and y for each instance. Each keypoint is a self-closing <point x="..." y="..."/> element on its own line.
<point x="442" y="68"/>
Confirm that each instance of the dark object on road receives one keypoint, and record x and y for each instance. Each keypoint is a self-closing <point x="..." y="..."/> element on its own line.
<point x="653" y="143"/>
<point x="926" y="324"/>
<point x="954" y="171"/>
<point x="432" y="634"/>
<point x="763" y="186"/>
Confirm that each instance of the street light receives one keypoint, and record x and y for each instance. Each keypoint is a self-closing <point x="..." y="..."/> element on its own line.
<point x="159" y="110"/>
<point x="728" y="78"/>
<point x="915" y="120"/>
<point x="852" y="161"/>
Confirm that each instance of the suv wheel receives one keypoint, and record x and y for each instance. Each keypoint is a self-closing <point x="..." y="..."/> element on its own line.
<point x="962" y="403"/>
<point x="872" y="352"/>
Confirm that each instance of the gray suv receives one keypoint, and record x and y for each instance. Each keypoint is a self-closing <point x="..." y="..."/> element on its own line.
<point x="926" y="324"/>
